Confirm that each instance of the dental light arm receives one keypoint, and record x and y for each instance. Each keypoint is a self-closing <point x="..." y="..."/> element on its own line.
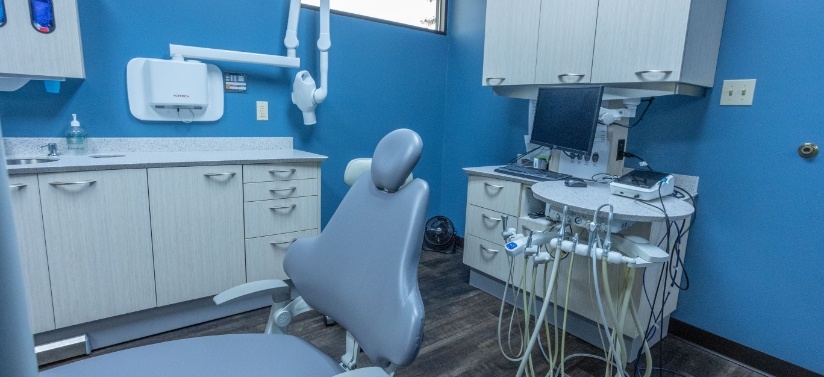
<point x="304" y="94"/>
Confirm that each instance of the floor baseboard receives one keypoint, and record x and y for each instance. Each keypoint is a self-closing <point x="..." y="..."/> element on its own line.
<point x="736" y="351"/>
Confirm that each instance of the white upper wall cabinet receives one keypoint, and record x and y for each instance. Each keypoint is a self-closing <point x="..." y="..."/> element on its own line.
<point x="567" y="33"/>
<point x="510" y="42"/>
<point x="622" y="43"/>
<point x="668" y="41"/>
<point x="29" y="53"/>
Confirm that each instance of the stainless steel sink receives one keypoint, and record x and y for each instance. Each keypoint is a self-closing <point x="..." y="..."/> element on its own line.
<point x="28" y="161"/>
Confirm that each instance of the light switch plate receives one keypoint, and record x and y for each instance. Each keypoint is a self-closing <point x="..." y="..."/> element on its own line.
<point x="737" y="92"/>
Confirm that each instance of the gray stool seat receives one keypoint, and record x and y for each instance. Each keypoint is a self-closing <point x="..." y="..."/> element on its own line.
<point x="247" y="355"/>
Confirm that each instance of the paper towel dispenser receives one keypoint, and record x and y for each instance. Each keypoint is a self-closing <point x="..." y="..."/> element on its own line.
<point x="176" y="84"/>
<point x="174" y="90"/>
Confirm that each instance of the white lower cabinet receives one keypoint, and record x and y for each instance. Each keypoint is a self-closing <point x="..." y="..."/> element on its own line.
<point x="28" y="221"/>
<point x="99" y="245"/>
<point x="197" y="231"/>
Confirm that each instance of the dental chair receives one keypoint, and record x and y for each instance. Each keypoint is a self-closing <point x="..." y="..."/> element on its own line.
<point x="361" y="271"/>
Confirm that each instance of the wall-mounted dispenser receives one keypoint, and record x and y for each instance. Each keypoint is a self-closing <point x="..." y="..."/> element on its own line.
<point x="174" y="90"/>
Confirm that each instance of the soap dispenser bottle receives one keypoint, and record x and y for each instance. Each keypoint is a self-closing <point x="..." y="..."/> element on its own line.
<point x="76" y="138"/>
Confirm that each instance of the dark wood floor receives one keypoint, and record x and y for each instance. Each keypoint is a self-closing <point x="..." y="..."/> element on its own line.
<point x="459" y="337"/>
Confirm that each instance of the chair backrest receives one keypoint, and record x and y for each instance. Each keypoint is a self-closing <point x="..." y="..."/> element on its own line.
<point x="362" y="270"/>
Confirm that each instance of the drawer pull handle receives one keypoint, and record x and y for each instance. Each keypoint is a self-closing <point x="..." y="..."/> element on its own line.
<point x="488" y="250"/>
<point x="293" y="188"/>
<point x="18" y="186"/>
<point x="284" y="207"/>
<point x="290" y="171"/>
<point x="283" y="242"/>
<point x="487" y="184"/>
<point x="73" y="183"/>
<point x="571" y="75"/>
<point x="500" y="80"/>
<point x="490" y="218"/>
<point x="219" y="174"/>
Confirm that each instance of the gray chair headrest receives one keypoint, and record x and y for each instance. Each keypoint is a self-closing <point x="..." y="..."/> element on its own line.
<point x="394" y="158"/>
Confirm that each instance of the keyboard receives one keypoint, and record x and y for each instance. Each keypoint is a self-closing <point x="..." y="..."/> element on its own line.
<point x="531" y="173"/>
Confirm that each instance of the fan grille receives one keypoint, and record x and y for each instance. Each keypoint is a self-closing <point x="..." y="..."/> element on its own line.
<point x="439" y="234"/>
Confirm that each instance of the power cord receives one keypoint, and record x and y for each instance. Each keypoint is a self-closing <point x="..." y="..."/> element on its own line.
<point x="642" y="163"/>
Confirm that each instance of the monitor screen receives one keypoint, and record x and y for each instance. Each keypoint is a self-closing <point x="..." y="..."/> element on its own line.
<point x="566" y="117"/>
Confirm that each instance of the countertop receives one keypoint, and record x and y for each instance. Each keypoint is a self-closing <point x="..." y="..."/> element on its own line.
<point x="586" y="200"/>
<point x="141" y="153"/>
<point x="140" y="160"/>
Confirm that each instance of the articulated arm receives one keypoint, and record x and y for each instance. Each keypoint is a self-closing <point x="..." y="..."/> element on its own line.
<point x="282" y="312"/>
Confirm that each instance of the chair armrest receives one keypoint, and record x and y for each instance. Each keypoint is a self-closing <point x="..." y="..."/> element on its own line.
<point x="364" y="372"/>
<point x="278" y="289"/>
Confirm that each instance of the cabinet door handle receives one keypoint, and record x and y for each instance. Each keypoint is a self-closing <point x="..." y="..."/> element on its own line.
<point x="283" y="242"/>
<point x="73" y="183"/>
<point x="219" y="174"/>
<point x="490" y="218"/>
<point x="665" y="72"/>
<point x="18" y="186"/>
<point x="571" y="75"/>
<point x="284" y="207"/>
<point x="293" y="188"/>
<point x="487" y="184"/>
<point x="488" y="250"/>
<point x="290" y="171"/>
<point x="500" y="80"/>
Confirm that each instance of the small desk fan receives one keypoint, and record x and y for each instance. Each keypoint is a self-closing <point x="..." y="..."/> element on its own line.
<point x="439" y="235"/>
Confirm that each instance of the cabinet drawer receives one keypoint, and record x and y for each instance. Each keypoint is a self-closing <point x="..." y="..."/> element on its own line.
<point x="267" y="217"/>
<point x="279" y="172"/>
<point x="487" y="224"/>
<point x="495" y="194"/>
<point x="279" y="189"/>
<point x="487" y="257"/>
<point x="264" y="255"/>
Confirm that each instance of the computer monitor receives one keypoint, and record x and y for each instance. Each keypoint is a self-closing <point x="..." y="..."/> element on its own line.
<point x="566" y="117"/>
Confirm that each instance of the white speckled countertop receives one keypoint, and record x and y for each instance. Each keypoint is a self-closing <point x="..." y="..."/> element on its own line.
<point x="137" y="153"/>
<point x="587" y="199"/>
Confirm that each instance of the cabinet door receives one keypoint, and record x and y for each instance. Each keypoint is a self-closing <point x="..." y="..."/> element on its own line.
<point x="510" y="42"/>
<point x="566" y="36"/>
<point x="28" y="221"/>
<point x="99" y="243"/>
<point x="197" y="231"/>
<point x="29" y="52"/>
<point x="640" y="40"/>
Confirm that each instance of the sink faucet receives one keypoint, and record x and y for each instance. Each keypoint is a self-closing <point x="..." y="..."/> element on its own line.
<point x="52" y="148"/>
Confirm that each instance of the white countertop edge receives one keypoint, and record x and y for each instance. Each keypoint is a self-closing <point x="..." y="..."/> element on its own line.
<point x="142" y="160"/>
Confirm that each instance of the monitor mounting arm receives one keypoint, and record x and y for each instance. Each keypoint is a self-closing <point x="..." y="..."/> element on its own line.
<point x="609" y="116"/>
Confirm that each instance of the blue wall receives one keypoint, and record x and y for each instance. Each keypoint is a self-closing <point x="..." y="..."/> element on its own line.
<point x="381" y="78"/>
<point x="755" y="278"/>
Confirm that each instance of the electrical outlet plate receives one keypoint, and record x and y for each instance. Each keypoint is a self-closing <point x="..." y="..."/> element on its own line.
<point x="737" y="92"/>
<point x="262" y="110"/>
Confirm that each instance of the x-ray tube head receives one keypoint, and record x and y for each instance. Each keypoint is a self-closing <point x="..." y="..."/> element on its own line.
<point x="303" y="95"/>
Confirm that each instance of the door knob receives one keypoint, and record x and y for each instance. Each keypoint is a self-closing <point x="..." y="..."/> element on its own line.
<point x="808" y="150"/>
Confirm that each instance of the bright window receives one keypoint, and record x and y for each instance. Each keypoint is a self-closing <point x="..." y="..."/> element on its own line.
<point x="424" y="14"/>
